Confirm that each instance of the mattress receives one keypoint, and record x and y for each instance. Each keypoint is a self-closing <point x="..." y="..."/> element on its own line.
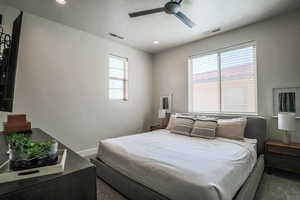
<point x="182" y="167"/>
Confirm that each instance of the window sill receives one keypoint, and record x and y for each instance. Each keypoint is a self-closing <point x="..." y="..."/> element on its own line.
<point x="118" y="100"/>
<point x="276" y="117"/>
<point x="228" y="114"/>
<point x="221" y="113"/>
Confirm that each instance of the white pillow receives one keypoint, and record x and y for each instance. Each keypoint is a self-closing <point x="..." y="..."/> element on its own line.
<point x="171" y="122"/>
<point x="232" y="128"/>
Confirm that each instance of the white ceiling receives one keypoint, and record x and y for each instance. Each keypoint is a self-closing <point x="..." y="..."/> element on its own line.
<point x="100" y="17"/>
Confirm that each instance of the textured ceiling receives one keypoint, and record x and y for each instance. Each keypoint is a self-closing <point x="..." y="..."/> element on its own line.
<point x="101" y="17"/>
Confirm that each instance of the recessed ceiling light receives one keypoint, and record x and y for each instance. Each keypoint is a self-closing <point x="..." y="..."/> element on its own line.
<point x="155" y="42"/>
<point x="63" y="2"/>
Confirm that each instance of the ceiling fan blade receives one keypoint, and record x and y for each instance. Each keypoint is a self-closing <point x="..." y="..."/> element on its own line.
<point x="146" y="12"/>
<point x="185" y="19"/>
<point x="180" y="1"/>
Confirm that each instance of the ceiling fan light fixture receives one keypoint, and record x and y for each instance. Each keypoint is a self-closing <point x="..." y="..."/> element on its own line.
<point x="155" y="42"/>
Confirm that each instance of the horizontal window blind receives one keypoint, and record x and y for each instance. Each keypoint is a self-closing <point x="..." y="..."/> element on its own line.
<point x="118" y="78"/>
<point x="224" y="81"/>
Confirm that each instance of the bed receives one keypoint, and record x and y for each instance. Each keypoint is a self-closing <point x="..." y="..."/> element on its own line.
<point x="162" y="165"/>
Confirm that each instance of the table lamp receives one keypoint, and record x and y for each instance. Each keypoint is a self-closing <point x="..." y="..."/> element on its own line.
<point x="287" y="123"/>
<point x="162" y="113"/>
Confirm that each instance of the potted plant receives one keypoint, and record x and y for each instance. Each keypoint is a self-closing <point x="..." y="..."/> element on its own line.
<point x="27" y="154"/>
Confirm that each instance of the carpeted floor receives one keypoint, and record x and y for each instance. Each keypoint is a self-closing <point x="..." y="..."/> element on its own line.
<point x="272" y="187"/>
<point x="279" y="186"/>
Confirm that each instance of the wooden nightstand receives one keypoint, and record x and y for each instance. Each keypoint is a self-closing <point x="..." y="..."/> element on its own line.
<point x="282" y="156"/>
<point x="156" y="127"/>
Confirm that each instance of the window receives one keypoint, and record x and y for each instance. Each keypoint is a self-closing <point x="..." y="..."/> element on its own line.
<point x="224" y="81"/>
<point x="118" y="78"/>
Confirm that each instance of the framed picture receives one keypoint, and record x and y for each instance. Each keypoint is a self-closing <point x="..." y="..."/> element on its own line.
<point x="286" y="100"/>
<point x="166" y="103"/>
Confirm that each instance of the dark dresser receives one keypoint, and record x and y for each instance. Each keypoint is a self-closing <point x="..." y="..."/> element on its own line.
<point x="77" y="182"/>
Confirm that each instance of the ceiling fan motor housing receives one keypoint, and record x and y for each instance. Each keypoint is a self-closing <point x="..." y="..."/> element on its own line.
<point x="172" y="7"/>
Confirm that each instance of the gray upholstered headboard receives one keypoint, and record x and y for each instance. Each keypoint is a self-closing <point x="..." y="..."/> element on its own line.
<point x="256" y="129"/>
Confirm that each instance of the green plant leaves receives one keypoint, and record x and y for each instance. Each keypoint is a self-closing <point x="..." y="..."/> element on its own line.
<point x="25" y="148"/>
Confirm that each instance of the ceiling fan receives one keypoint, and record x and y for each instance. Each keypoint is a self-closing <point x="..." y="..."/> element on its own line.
<point x="172" y="8"/>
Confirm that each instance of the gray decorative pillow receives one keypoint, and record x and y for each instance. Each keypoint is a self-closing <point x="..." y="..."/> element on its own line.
<point x="183" y="126"/>
<point x="205" y="129"/>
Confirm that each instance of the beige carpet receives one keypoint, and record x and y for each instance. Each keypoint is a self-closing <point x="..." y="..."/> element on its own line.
<point x="272" y="187"/>
<point x="105" y="192"/>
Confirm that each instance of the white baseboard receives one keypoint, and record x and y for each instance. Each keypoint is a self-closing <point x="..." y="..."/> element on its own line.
<point x="88" y="152"/>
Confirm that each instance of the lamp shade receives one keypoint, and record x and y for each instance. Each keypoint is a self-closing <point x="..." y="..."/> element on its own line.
<point x="162" y="113"/>
<point x="287" y="121"/>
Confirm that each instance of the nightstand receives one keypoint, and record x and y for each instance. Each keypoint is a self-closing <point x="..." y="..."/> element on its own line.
<point x="282" y="156"/>
<point x="156" y="127"/>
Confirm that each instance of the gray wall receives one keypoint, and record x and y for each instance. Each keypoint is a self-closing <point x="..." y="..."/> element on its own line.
<point x="62" y="77"/>
<point x="62" y="83"/>
<point x="278" y="60"/>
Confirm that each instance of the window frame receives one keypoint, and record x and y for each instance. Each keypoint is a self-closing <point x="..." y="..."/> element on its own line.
<point x="125" y="79"/>
<point x="219" y="52"/>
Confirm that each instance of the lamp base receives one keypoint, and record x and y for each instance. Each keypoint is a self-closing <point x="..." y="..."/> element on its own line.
<point x="286" y="138"/>
<point x="162" y="122"/>
<point x="165" y="121"/>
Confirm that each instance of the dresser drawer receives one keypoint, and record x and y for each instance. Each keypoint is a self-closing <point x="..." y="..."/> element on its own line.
<point x="283" y="150"/>
<point x="283" y="162"/>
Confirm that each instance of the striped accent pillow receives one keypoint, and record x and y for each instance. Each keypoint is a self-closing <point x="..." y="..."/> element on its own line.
<point x="183" y="126"/>
<point x="205" y="129"/>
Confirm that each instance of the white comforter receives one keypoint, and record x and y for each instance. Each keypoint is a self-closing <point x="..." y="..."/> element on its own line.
<point x="182" y="167"/>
